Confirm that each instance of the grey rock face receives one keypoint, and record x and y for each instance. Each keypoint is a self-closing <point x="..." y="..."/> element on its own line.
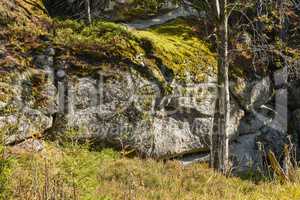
<point x="252" y="94"/>
<point x="125" y="110"/>
<point x="265" y="122"/>
<point x="244" y="153"/>
<point x="237" y="114"/>
<point x="296" y="121"/>
<point x="24" y="125"/>
<point x="250" y="124"/>
<point x="294" y="95"/>
<point x="29" y="101"/>
<point x="295" y="129"/>
<point x="261" y="92"/>
<point x="273" y="140"/>
<point x="264" y="131"/>
<point x="174" y="138"/>
<point x="30" y="145"/>
<point x="43" y="61"/>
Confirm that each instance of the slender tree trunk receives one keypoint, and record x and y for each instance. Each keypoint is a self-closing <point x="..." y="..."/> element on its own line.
<point x="220" y="139"/>
<point x="225" y="66"/>
<point x="88" y="11"/>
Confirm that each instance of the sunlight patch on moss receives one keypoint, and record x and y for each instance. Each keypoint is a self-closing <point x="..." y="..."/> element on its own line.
<point x="180" y="51"/>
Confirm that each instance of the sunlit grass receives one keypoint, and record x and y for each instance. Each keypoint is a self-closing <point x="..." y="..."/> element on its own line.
<point x="83" y="174"/>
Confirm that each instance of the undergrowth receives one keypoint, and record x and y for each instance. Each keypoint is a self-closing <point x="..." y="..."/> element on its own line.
<point x="6" y="168"/>
<point x="76" y="172"/>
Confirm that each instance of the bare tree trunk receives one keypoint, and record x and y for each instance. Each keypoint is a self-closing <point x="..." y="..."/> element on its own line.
<point x="225" y="66"/>
<point x="88" y="11"/>
<point x="220" y="139"/>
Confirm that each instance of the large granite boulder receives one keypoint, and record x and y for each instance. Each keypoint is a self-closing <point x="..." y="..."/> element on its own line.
<point x="28" y="101"/>
<point x="245" y="154"/>
<point x="264" y="127"/>
<point x="294" y="95"/>
<point x="252" y="93"/>
<point x="125" y="110"/>
<point x="295" y="129"/>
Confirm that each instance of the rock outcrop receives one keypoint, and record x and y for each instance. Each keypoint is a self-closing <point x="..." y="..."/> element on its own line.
<point x="134" y="90"/>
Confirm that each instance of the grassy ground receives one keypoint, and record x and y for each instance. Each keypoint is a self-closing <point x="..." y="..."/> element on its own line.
<point x="74" y="172"/>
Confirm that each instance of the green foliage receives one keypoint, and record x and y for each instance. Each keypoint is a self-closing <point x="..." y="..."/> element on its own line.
<point x="5" y="171"/>
<point x="71" y="171"/>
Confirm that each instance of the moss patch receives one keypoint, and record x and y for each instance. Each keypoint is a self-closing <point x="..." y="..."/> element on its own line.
<point x="22" y="25"/>
<point x="176" y="44"/>
<point x="163" y="50"/>
<point x="170" y="50"/>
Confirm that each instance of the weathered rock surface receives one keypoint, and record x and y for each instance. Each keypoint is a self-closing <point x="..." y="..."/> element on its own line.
<point x="252" y="94"/>
<point x="244" y="153"/>
<point x="28" y="146"/>
<point x="127" y="111"/>
<point x="25" y="124"/>
<point x="28" y="101"/>
<point x="295" y="129"/>
<point x="294" y="95"/>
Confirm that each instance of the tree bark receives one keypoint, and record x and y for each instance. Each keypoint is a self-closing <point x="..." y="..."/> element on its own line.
<point x="220" y="138"/>
<point x="88" y="11"/>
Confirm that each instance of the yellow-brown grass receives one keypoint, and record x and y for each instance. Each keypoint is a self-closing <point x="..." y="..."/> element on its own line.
<point x="76" y="173"/>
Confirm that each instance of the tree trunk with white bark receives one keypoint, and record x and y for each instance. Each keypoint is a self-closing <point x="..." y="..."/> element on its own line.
<point x="88" y="11"/>
<point x="220" y="138"/>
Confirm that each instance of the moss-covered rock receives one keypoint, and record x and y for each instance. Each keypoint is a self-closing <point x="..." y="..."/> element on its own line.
<point x="162" y="49"/>
<point x="139" y="69"/>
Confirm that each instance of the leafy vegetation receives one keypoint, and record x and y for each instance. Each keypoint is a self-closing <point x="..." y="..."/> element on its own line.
<point x="5" y="171"/>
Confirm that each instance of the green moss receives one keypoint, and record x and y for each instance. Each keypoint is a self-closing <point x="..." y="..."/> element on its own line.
<point x="101" y="40"/>
<point x="21" y="25"/>
<point x="180" y="50"/>
<point x="23" y="15"/>
<point x="6" y="92"/>
<point x="173" y="45"/>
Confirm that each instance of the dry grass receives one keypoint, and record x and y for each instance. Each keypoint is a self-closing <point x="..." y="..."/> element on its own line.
<point x="76" y="173"/>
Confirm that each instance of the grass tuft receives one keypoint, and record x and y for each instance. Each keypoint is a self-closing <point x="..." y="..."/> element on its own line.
<point x="77" y="173"/>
